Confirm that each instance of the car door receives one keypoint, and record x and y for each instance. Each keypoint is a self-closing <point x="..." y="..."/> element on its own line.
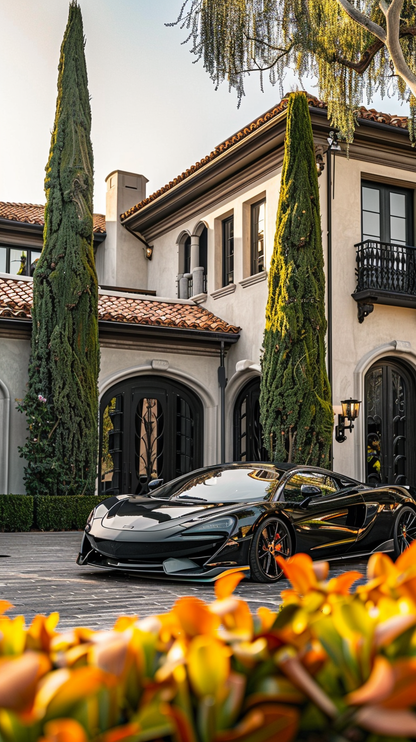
<point x="380" y="510"/>
<point x="329" y="524"/>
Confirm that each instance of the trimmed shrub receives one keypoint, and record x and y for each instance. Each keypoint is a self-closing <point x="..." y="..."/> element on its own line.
<point x="16" y="512"/>
<point x="60" y="513"/>
<point x="23" y="512"/>
<point x="54" y="513"/>
<point x="84" y="505"/>
<point x="333" y="665"/>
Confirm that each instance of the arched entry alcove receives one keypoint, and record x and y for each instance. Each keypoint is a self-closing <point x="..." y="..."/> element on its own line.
<point x="390" y="405"/>
<point x="248" y="434"/>
<point x="150" y="427"/>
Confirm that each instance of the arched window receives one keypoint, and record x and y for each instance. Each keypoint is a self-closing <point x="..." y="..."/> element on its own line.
<point x="248" y="433"/>
<point x="186" y="263"/>
<point x="203" y="254"/>
<point x="151" y="428"/>
<point x="390" y="423"/>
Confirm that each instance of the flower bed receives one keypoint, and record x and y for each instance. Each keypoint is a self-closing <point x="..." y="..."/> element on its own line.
<point x="333" y="664"/>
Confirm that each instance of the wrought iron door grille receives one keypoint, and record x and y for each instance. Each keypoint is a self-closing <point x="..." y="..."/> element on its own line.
<point x="149" y="442"/>
<point x="386" y="267"/>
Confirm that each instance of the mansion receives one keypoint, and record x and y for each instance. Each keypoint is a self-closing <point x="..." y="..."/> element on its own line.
<point x="183" y="289"/>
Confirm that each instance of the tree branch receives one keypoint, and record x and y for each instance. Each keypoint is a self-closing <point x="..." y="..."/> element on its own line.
<point x="362" y="65"/>
<point x="363" y="20"/>
<point x="392" y="14"/>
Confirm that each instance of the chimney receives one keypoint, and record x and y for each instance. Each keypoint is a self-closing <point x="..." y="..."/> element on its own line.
<point x="120" y="260"/>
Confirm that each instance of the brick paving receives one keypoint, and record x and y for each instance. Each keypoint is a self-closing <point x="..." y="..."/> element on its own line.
<point x="38" y="574"/>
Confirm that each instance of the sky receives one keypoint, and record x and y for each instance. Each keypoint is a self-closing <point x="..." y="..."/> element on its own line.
<point x="154" y="112"/>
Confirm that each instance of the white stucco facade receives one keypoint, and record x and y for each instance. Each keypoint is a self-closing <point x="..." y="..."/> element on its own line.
<point x="204" y="200"/>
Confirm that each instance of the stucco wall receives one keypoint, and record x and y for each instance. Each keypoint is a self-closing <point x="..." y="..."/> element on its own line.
<point x="14" y="359"/>
<point x="388" y="331"/>
<point x="356" y="346"/>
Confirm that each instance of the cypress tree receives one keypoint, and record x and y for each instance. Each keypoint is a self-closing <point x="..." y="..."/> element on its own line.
<point x="62" y="399"/>
<point x="295" y="399"/>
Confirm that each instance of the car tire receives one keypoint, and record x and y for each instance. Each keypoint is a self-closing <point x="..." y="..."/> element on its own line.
<point x="404" y="530"/>
<point x="272" y="538"/>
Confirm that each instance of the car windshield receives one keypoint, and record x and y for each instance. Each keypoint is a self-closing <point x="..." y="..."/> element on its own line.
<point x="237" y="484"/>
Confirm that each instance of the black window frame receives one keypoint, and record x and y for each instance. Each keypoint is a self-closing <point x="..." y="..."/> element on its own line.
<point x="21" y="249"/>
<point x="385" y="189"/>
<point x="255" y="256"/>
<point x="187" y="255"/>
<point x="228" y="250"/>
<point x="203" y="254"/>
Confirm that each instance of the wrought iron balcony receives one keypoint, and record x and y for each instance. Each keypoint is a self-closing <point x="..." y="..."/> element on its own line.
<point x="386" y="274"/>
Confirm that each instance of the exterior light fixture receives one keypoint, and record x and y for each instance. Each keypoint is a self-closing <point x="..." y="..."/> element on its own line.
<point x="333" y="141"/>
<point x="350" y="412"/>
<point x="149" y="251"/>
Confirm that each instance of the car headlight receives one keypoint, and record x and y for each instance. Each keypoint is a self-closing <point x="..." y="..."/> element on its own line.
<point x="221" y="525"/>
<point x="89" y="520"/>
<point x="91" y="516"/>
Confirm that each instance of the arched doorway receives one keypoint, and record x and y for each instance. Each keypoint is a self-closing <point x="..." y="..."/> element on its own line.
<point x="150" y="427"/>
<point x="389" y="409"/>
<point x="248" y="433"/>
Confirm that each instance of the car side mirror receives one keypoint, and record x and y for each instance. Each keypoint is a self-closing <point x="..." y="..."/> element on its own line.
<point x="308" y="492"/>
<point x="154" y="484"/>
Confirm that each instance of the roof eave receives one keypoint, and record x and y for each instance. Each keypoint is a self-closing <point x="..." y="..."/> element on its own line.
<point x="107" y="327"/>
<point x="140" y="219"/>
<point x="160" y="330"/>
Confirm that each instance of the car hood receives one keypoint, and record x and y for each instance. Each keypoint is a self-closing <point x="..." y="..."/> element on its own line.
<point x="142" y="513"/>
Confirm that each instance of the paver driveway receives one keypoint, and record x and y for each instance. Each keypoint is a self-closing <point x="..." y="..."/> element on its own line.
<point x="38" y="574"/>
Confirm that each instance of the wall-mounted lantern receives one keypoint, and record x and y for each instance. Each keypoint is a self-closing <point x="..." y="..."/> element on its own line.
<point x="350" y="411"/>
<point x="149" y="251"/>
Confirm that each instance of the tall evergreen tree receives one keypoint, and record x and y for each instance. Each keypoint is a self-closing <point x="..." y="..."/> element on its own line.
<point x="62" y="399"/>
<point x="295" y="398"/>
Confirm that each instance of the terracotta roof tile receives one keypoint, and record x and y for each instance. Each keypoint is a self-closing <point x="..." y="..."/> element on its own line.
<point x="35" y="214"/>
<point x="16" y="302"/>
<point x="363" y="113"/>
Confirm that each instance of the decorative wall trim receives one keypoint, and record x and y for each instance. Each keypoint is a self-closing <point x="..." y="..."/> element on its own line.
<point x="149" y="346"/>
<point x="400" y="349"/>
<point x="251" y="280"/>
<point x="269" y="165"/>
<point x="199" y="298"/>
<point x="224" y="291"/>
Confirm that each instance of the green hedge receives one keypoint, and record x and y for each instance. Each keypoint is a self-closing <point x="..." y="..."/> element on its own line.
<point x="16" y="512"/>
<point x="48" y="513"/>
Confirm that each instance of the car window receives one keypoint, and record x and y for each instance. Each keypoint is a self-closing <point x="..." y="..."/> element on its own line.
<point x="292" y="490"/>
<point x="226" y="485"/>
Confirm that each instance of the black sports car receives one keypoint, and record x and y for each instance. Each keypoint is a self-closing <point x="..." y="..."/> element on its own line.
<point x="239" y="516"/>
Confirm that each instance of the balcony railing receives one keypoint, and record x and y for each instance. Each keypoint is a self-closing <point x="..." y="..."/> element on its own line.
<point x="386" y="274"/>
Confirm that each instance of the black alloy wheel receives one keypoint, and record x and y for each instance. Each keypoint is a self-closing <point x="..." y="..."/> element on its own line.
<point x="404" y="530"/>
<point x="271" y="539"/>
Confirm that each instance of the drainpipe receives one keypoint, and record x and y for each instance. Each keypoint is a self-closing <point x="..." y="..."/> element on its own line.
<point x="222" y="381"/>
<point x="329" y="269"/>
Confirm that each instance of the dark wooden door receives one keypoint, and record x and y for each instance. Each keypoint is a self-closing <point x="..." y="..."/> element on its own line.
<point x="159" y="434"/>
<point x="390" y="422"/>
<point x="248" y="432"/>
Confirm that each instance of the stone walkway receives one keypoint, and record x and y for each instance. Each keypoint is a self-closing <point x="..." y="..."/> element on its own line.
<point x="38" y="574"/>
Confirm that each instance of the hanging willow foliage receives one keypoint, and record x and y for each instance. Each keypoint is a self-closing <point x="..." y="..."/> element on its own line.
<point x="343" y="43"/>
<point x="62" y="399"/>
